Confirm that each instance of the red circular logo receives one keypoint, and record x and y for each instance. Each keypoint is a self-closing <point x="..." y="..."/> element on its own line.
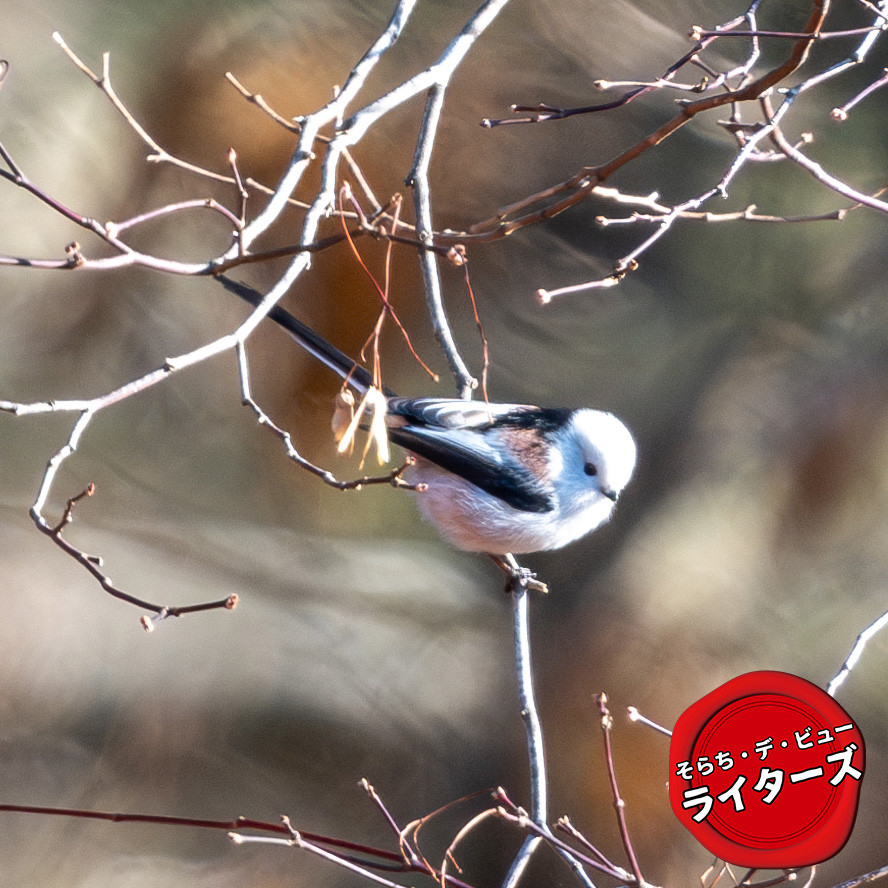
<point x="765" y="772"/>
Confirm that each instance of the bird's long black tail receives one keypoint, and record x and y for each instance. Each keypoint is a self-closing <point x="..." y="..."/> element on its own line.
<point x="353" y="373"/>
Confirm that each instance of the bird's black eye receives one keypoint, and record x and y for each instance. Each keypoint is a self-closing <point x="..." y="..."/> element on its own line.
<point x="590" y="469"/>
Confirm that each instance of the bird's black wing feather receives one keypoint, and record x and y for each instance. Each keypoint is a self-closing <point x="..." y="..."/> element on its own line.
<point x="465" y="453"/>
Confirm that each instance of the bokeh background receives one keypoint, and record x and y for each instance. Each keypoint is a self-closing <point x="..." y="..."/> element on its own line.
<point x="750" y="360"/>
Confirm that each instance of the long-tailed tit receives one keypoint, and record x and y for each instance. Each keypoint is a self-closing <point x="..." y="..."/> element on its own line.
<point x="512" y="478"/>
<point x="498" y="478"/>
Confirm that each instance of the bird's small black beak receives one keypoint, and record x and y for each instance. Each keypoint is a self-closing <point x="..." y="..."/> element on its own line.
<point x="611" y="494"/>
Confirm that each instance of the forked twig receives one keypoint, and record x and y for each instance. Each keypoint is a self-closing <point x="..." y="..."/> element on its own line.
<point x="94" y="565"/>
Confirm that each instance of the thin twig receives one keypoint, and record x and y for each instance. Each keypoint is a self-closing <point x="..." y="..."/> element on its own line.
<point x="842" y="112"/>
<point x="103" y="82"/>
<point x="865" y="879"/>
<point x="607" y="724"/>
<point x="577" y="187"/>
<point x="698" y="33"/>
<point x="382" y="291"/>
<point x="598" y="859"/>
<point x="856" y="653"/>
<point x="574" y="859"/>
<point x="635" y="716"/>
<point x="825" y="178"/>
<point x="393" y="478"/>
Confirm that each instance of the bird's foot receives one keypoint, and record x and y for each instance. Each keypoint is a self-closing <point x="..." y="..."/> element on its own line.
<point x="519" y="578"/>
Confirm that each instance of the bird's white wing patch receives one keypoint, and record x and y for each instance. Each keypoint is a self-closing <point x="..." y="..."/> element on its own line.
<point x="448" y="413"/>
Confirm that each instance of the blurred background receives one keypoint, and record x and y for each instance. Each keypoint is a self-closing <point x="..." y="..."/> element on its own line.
<point x="751" y="362"/>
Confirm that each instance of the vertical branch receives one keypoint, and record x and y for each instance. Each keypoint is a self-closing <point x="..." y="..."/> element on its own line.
<point x="533" y="728"/>
<point x="428" y="260"/>
<point x="521" y="584"/>
<point x="418" y="178"/>
<point x="435" y="79"/>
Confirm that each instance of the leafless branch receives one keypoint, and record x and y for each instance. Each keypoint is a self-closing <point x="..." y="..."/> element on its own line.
<point x="856" y="653"/>
<point x="619" y="805"/>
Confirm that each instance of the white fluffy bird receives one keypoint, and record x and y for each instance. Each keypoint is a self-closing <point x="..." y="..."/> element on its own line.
<point x="511" y="478"/>
<point x="499" y="478"/>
